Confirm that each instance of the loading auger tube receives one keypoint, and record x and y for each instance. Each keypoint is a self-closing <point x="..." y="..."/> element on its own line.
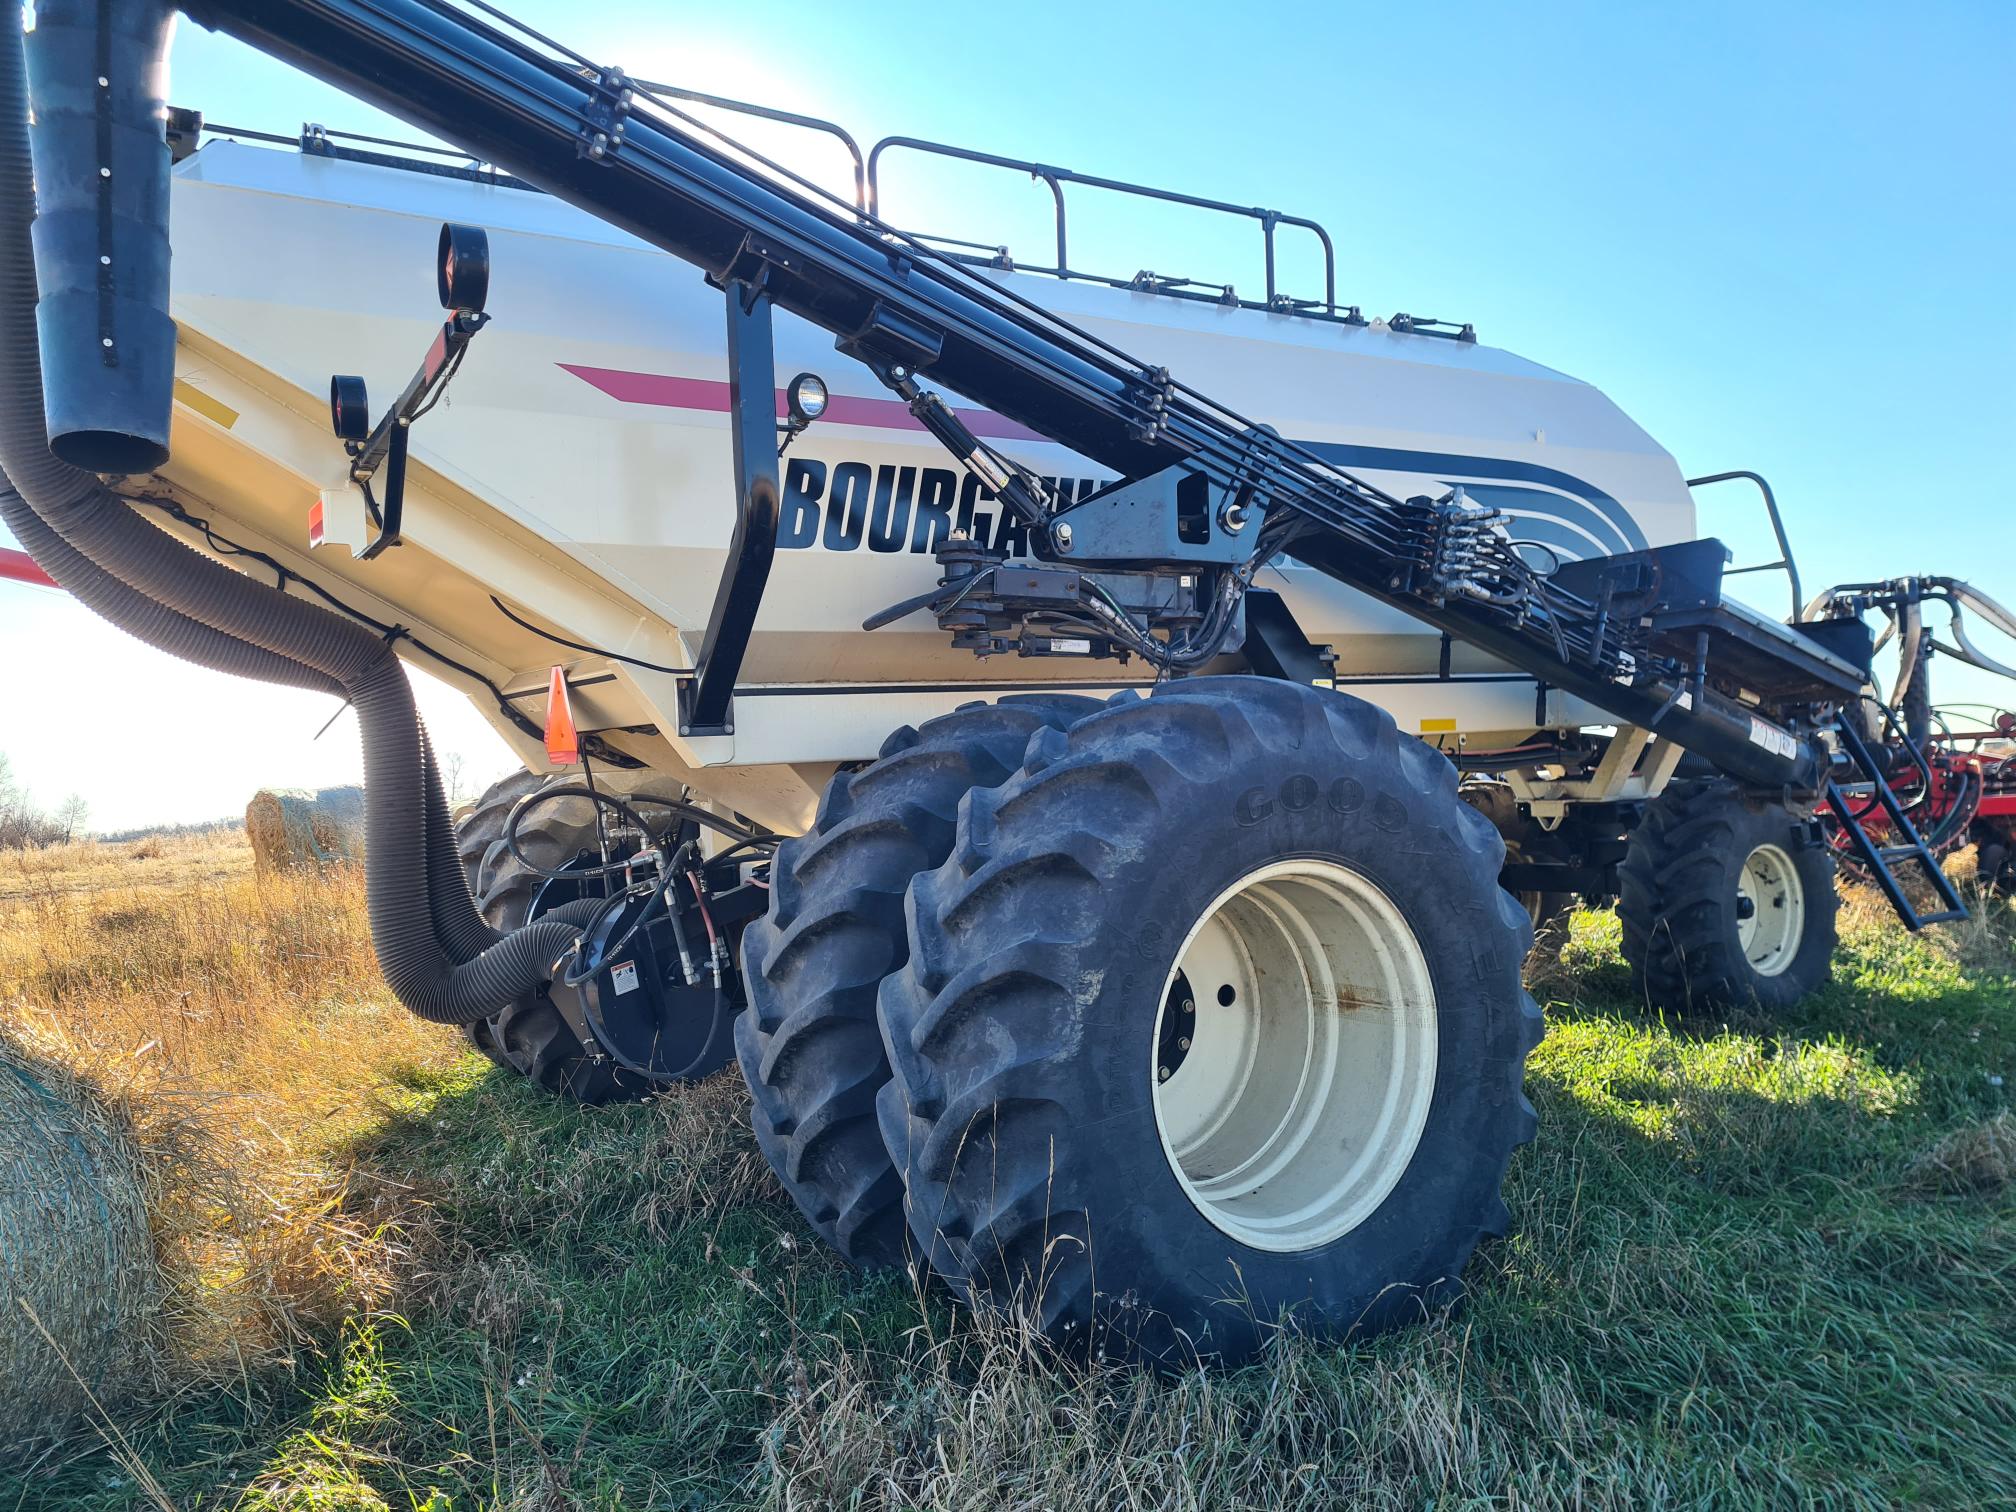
<point x="441" y="961"/>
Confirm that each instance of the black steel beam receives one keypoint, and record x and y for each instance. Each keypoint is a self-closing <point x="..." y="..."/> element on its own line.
<point x="1737" y="740"/>
<point x="705" y="704"/>
<point x="1275" y="644"/>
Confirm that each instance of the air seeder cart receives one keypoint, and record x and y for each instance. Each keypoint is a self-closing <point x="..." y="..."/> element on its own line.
<point x="1159" y="974"/>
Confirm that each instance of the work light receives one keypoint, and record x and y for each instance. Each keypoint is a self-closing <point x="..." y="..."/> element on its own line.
<point x="807" y="399"/>
<point x="349" y="407"/>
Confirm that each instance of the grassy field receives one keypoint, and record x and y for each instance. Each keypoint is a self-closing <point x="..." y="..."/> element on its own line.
<point x="1753" y="1263"/>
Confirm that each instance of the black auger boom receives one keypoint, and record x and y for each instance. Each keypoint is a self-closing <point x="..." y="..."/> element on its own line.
<point x="1206" y="496"/>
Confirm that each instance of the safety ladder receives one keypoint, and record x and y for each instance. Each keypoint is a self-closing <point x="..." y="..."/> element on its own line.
<point x="1908" y="845"/>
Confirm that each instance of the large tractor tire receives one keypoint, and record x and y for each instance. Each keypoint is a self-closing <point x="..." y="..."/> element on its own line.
<point x="1212" y="1020"/>
<point x="531" y="1036"/>
<point x="1726" y="902"/>
<point x="808" y="1041"/>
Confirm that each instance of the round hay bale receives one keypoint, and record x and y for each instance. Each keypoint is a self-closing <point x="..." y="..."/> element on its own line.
<point x="75" y="1254"/>
<point x="291" y="830"/>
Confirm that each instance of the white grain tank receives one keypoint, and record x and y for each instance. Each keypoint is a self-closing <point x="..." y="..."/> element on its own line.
<point x="580" y="468"/>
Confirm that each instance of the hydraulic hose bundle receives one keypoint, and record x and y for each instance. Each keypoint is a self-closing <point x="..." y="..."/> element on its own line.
<point x="83" y="305"/>
<point x="673" y="851"/>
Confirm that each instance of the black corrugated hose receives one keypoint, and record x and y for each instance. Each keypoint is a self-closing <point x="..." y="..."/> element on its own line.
<point x="141" y="617"/>
<point x="461" y="931"/>
<point x="438" y="956"/>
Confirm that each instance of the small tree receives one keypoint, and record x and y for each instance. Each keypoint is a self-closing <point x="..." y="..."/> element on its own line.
<point x="22" y="824"/>
<point x="71" y="816"/>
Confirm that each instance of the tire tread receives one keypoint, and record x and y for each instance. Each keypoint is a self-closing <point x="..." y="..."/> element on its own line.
<point x="809" y="1043"/>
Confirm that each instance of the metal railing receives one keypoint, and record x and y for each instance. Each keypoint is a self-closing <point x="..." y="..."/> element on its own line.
<point x="863" y="194"/>
<point x="1055" y="179"/>
<point x="319" y="141"/>
<point x="1791" y="568"/>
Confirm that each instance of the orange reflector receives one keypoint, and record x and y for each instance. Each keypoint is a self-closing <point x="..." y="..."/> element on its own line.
<point x="315" y="525"/>
<point x="563" y="744"/>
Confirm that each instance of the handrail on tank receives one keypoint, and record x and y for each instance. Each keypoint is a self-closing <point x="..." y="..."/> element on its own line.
<point x="867" y="199"/>
<point x="1056" y="178"/>
<point x="863" y="192"/>
<point x="1777" y="528"/>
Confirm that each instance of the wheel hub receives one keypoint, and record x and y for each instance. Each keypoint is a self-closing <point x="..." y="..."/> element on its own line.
<point x="1297" y="1104"/>
<point x="1178" y="1025"/>
<point x="1770" y="910"/>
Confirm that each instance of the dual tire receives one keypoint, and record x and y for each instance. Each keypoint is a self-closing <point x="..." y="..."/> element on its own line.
<point x="1205" y="1016"/>
<point x="1162" y="1022"/>
<point x="809" y="1043"/>
<point x="1727" y="902"/>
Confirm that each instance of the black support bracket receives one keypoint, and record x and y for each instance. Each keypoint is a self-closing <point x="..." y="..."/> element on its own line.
<point x="706" y="702"/>
<point x="1276" y="646"/>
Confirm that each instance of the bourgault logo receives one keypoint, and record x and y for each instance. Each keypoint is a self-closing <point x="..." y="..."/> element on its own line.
<point x="847" y="505"/>
<point x="843" y="506"/>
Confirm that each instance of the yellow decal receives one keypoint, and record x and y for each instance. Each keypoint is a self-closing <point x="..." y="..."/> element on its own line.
<point x="213" y="410"/>
<point x="1438" y="726"/>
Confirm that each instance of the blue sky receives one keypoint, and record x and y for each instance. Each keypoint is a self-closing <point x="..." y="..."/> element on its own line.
<point x="1779" y="235"/>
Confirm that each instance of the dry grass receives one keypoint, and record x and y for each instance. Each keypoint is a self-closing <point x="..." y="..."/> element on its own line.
<point x="1754" y="1263"/>
<point x="1983" y="944"/>
<point x="1979" y="1157"/>
<point x="94" y="866"/>
<point x="222" y="1016"/>
<point x="992" y="1420"/>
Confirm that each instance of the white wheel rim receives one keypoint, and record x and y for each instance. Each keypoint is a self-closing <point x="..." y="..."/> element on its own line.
<point x="1299" y="1099"/>
<point x="1768" y="890"/>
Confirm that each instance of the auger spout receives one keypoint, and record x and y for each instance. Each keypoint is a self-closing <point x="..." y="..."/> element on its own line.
<point x="98" y="76"/>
